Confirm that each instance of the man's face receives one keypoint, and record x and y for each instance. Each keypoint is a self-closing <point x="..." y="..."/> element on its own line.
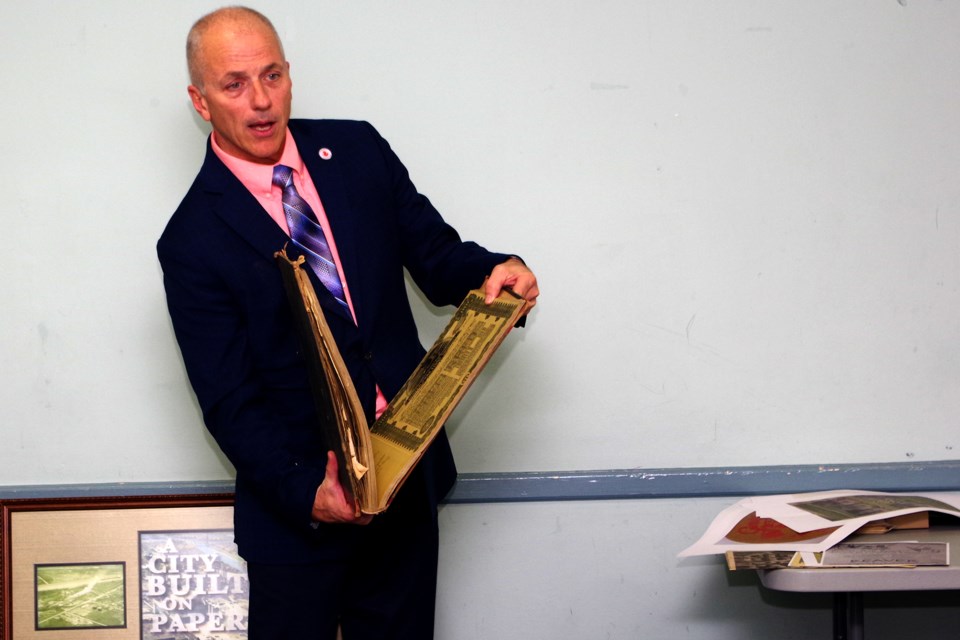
<point x="246" y="91"/>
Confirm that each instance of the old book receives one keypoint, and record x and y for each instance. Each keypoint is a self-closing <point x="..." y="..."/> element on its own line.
<point x="374" y="460"/>
<point x="739" y="560"/>
<point x="918" y="520"/>
<point x="878" y="553"/>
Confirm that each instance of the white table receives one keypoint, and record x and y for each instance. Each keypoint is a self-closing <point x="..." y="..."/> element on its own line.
<point x="849" y="584"/>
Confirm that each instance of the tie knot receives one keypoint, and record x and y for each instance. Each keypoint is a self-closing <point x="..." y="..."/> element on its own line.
<point x="282" y="175"/>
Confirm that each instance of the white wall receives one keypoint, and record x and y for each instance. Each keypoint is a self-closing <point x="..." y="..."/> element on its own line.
<point x="607" y="570"/>
<point x="761" y="197"/>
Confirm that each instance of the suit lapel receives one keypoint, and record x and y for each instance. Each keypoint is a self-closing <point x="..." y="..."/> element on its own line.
<point x="321" y="161"/>
<point x="240" y="210"/>
<point x="237" y="207"/>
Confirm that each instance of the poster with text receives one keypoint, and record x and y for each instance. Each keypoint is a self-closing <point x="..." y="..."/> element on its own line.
<point x="193" y="586"/>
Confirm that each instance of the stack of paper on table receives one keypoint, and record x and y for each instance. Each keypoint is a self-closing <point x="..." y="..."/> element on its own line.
<point x="809" y="530"/>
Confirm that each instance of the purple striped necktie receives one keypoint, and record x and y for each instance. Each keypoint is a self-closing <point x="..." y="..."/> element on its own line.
<point x="308" y="235"/>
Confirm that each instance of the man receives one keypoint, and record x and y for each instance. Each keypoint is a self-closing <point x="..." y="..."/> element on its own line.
<point x="313" y="565"/>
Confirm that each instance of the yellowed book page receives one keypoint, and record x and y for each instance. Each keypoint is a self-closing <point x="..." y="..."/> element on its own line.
<point x="414" y="417"/>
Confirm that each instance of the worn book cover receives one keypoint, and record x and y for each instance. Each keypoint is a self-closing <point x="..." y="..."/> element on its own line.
<point x="375" y="459"/>
<point x="876" y="553"/>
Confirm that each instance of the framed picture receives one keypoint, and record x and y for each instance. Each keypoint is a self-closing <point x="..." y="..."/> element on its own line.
<point x="124" y="568"/>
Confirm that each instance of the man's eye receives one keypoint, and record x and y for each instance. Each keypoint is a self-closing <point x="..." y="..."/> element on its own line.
<point x="233" y="86"/>
<point x="273" y="77"/>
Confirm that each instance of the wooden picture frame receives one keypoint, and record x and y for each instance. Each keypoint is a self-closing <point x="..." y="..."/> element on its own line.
<point x="120" y="568"/>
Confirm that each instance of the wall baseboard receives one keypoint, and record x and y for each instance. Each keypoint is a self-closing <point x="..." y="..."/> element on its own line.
<point x="704" y="482"/>
<point x="604" y="484"/>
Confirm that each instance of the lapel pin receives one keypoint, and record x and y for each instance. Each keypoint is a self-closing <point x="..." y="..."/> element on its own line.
<point x="326" y="154"/>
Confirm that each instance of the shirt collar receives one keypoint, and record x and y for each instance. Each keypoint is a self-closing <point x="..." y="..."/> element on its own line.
<point x="256" y="177"/>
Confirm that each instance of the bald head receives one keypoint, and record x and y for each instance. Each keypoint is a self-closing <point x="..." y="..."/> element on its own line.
<point x="240" y="83"/>
<point x="238" y="20"/>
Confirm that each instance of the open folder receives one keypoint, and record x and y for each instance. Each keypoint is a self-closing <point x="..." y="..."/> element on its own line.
<point x="375" y="460"/>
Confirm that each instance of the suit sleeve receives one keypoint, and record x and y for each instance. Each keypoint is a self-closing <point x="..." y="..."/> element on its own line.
<point x="443" y="265"/>
<point x="213" y="335"/>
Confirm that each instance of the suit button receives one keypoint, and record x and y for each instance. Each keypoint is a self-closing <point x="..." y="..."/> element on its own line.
<point x="367" y="356"/>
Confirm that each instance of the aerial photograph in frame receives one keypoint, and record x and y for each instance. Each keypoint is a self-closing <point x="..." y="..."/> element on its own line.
<point x="81" y="596"/>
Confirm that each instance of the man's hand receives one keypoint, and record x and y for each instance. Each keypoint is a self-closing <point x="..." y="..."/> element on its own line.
<point x="331" y="504"/>
<point x="514" y="274"/>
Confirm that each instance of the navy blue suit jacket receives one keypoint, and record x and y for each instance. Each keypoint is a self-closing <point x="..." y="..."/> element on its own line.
<point x="233" y="323"/>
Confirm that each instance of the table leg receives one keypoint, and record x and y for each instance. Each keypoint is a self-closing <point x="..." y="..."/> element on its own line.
<point x="848" y="616"/>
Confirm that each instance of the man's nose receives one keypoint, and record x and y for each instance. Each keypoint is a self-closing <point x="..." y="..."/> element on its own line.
<point x="260" y="97"/>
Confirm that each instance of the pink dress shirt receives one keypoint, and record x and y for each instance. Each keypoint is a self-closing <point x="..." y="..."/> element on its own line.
<point x="258" y="179"/>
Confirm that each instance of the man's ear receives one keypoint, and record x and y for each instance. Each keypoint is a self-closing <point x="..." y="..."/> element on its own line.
<point x="199" y="102"/>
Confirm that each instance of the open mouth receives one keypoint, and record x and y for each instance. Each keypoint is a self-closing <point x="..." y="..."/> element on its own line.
<point x="262" y="127"/>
